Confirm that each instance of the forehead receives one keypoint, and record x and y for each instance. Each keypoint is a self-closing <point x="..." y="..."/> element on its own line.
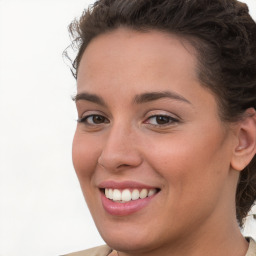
<point x="123" y="63"/>
<point x="127" y="52"/>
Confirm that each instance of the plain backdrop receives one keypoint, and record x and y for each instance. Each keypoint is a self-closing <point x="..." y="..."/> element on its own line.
<point x="42" y="210"/>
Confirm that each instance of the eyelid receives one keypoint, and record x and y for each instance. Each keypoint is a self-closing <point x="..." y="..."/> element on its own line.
<point x="173" y="119"/>
<point x="156" y="112"/>
<point x="85" y="120"/>
<point x="90" y="113"/>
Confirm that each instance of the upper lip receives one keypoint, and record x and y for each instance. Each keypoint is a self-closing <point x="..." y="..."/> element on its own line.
<point x="124" y="184"/>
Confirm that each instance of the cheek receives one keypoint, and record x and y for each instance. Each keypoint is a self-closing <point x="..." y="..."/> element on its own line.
<point x="194" y="162"/>
<point x="194" y="176"/>
<point x="85" y="156"/>
<point x="85" y="152"/>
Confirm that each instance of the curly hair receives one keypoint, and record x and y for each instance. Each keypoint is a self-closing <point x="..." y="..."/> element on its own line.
<point x="224" y="36"/>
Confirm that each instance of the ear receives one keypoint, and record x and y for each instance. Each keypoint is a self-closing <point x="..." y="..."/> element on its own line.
<point x="245" y="148"/>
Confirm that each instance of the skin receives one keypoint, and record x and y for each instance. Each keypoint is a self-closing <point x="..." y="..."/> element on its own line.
<point x="188" y="158"/>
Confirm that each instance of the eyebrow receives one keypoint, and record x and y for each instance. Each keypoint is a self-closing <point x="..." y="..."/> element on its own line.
<point x="89" y="97"/>
<point x="138" y="99"/>
<point x="151" y="96"/>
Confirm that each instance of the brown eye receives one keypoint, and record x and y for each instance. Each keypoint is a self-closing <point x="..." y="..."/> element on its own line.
<point x="98" y="119"/>
<point x="162" y="119"/>
<point x="93" y="120"/>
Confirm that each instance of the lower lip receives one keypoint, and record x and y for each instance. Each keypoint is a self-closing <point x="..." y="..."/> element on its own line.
<point x="123" y="209"/>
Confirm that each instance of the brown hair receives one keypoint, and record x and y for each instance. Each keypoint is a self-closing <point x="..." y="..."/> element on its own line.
<point x="224" y="36"/>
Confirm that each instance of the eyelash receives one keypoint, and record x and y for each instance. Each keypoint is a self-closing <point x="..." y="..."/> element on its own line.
<point x="168" y="119"/>
<point x="85" y="119"/>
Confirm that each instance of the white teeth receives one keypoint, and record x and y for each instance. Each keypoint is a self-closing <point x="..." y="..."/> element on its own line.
<point x="110" y="193"/>
<point x="152" y="192"/>
<point x="107" y="193"/>
<point x="127" y="195"/>
<point x="135" y="194"/>
<point x="117" y="196"/>
<point x="143" y="193"/>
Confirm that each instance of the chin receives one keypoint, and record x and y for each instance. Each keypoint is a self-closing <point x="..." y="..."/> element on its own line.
<point x="128" y="243"/>
<point x="124" y="236"/>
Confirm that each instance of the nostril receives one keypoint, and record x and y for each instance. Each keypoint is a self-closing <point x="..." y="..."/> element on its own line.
<point x="123" y="165"/>
<point x="113" y="159"/>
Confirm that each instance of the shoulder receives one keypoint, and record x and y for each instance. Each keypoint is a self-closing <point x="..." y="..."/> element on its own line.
<point x="103" y="250"/>
<point x="252" y="248"/>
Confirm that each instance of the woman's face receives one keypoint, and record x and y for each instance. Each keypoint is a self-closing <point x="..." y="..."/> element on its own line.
<point x="148" y="129"/>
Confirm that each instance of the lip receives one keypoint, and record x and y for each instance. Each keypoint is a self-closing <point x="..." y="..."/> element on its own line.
<point x="124" y="184"/>
<point x="124" y="209"/>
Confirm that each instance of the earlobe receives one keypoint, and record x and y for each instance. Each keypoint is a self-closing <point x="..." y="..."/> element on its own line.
<point x="245" y="149"/>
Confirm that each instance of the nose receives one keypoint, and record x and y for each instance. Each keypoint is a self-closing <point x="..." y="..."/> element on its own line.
<point x="119" y="150"/>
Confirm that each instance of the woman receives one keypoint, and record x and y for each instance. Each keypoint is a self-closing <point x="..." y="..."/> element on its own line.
<point x="166" y="137"/>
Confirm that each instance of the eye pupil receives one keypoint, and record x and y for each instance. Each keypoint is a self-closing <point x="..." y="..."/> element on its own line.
<point x="98" y="119"/>
<point x="162" y="119"/>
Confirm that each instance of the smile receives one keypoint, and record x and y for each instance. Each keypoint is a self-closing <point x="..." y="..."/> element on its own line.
<point x="127" y="195"/>
<point x="126" y="198"/>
